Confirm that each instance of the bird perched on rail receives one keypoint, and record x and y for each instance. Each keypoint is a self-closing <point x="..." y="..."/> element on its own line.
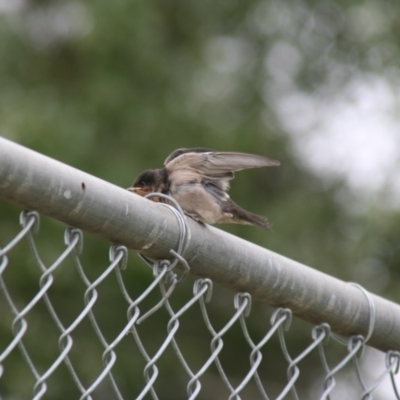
<point x="198" y="179"/>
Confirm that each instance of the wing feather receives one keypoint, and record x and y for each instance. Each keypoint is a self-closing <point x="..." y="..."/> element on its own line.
<point x="178" y="152"/>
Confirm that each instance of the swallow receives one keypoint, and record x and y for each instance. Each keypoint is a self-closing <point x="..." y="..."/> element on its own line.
<point x="198" y="179"/>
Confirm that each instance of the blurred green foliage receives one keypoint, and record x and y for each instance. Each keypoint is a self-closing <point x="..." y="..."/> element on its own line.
<point x="113" y="87"/>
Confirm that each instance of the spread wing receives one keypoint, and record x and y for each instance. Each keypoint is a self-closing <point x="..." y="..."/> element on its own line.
<point x="215" y="164"/>
<point x="213" y="169"/>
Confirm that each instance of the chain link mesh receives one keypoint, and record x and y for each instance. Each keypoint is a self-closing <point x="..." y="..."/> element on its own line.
<point x="45" y="346"/>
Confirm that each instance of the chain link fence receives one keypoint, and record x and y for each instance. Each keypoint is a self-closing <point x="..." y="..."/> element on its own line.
<point x="105" y="383"/>
<point x="97" y="329"/>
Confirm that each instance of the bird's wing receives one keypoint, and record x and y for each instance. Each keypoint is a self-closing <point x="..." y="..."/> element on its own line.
<point x="215" y="164"/>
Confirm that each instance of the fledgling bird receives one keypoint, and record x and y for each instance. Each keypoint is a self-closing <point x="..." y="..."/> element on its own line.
<point x="198" y="179"/>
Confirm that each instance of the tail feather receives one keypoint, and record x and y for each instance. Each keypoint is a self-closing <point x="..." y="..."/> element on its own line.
<point x="259" y="221"/>
<point x="236" y="214"/>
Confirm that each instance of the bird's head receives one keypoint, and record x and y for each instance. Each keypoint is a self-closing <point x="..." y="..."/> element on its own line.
<point x="145" y="183"/>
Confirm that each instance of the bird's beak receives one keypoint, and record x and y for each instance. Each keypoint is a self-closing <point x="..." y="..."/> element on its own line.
<point x="138" y="190"/>
<point x="143" y="191"/>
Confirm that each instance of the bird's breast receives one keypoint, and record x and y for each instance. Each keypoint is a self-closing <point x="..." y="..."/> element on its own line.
<point x="194" y="199"/>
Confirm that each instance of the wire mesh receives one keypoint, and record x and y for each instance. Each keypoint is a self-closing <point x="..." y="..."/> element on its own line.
<point x="89" y="343"/>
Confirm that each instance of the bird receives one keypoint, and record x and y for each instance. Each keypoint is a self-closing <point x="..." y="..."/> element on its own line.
<point x="198" y="179"/>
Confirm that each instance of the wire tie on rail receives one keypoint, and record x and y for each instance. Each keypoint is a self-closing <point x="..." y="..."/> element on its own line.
<point x="184" y="233"/>
<point x="170" y="278"/>
<point x="372" y="319"/>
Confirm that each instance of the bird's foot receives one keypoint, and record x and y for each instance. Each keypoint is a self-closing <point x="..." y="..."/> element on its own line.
<point x="195" y="217"/>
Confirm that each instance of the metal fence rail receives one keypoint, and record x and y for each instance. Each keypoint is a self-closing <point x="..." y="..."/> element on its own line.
<point x="50" y="188"/>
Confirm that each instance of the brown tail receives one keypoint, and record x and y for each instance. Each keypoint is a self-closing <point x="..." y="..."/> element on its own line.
<point x="241" y="216"/>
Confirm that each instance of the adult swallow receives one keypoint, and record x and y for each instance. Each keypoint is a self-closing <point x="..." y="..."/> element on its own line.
<point x="198" y="179"/>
